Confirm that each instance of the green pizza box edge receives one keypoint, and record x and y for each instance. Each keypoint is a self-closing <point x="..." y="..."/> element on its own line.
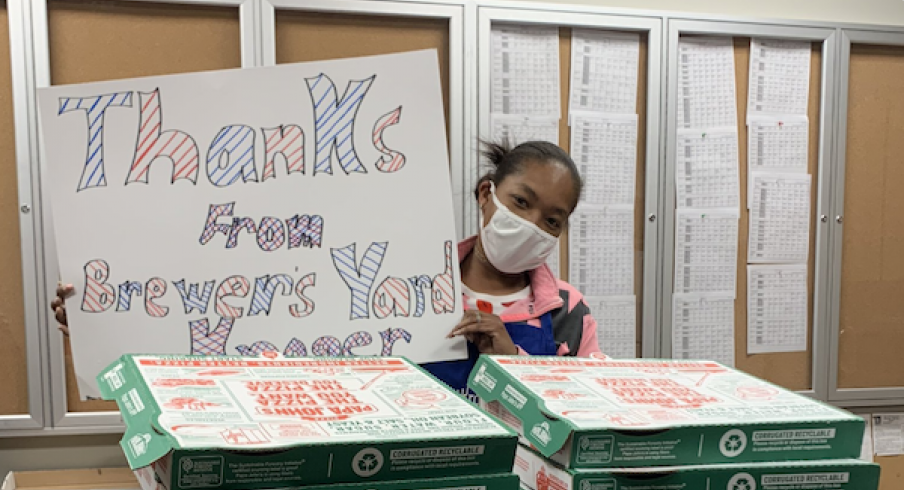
<point x="145" y="442"/>
<point x="562" y="440"/>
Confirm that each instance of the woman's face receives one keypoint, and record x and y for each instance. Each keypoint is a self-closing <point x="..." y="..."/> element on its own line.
<point x="542" y="193"/>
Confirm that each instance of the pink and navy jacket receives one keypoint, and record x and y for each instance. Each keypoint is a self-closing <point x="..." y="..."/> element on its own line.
<point x="574" y="328"/>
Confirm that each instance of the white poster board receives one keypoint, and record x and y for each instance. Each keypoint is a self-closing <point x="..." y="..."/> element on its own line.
<point x="301" y="208"/>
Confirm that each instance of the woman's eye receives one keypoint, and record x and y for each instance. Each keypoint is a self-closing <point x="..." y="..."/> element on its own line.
<point x="521" y="202"/>
<point x="553" y="223"/>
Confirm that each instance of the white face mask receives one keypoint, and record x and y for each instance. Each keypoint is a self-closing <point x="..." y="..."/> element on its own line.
<point x="513" y="244"/>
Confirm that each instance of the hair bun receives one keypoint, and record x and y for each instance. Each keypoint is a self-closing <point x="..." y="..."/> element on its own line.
<point x="496" y="152"/>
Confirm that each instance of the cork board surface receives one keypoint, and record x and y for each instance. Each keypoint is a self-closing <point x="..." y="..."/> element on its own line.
<point x="105" y="40"/>
<point x="792" y="370"/>
<point x="872" y="266"/>
<point x="314" y="36"/>
<point x="565" y="143"/>
<point x="13" y="373"/>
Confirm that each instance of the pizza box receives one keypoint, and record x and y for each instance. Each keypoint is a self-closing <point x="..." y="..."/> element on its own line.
<point x="83" y="479"/>
<point x="501" y="481"/>
<point x="592" y="413"/>
<point x="256" y="422"/>
<point x="539" y="473"/>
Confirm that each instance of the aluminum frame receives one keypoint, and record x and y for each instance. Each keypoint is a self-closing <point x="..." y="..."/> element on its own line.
<point x="61" y="421"/>
<point x="828" y="37"/>
<point x="652" y="27"/>
<point x="451" y="11"/>
<point x="29" y="221"/>
<point x="860" y="397"/>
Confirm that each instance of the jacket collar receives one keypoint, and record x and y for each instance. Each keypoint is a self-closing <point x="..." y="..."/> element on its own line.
<point x="544" y="289"/>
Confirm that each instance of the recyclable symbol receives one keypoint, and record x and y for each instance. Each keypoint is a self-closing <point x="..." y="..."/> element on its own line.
<point x="733" y="443"/>
<point x="742" y="481"/>
<point x="367" y="462"/>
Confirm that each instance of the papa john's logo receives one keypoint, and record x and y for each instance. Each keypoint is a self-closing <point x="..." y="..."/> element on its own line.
<point x="541" y="432"/>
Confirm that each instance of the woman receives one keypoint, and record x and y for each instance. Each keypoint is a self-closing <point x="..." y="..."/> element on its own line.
<point x="514" y="304"/>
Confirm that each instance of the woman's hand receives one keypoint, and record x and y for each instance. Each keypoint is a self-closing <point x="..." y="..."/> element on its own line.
<point x="58" y="305"/>
<point x="486" y="331"/>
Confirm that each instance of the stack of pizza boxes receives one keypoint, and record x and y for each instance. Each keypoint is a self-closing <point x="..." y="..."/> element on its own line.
<point x="244" y="423"/>
<point x="605" y="424"/>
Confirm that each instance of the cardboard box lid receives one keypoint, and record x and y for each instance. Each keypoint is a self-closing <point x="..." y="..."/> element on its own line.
<point x="87" y="479"/>
<point x="247" y="404"/>
<point x="557" y="396"/>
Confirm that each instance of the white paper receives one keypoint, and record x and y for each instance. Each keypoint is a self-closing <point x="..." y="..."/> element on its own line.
<point x="775" y="143"/>
<point x="779" y="218"/>
<point x="604" y="68"/>
<point x="291" y="285"/>
<point x="707" y="173"/>
<point x="519" y="129"/>
<point x="555" y="259"/>
<point x="776" y="308"/>
<point x="525" y="70"/>
<point x="779" y="77"/>
<point x="703" y="327"/>
<point x="888" y="434"/>
<point x="866" y="450"/>
<point x="601" y="251"/>
<point x="706" y="83"/>
<point x="706" y="250"/>
<point x="616" y="324"/>
<point x="604" y="147"/>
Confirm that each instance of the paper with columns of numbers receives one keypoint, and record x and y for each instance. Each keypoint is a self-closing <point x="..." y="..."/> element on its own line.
<point x="524" y="62"/>
<point x="604" y="68"/>
<point x="616" y="324"/>
<point x="779" y="77"/>
<point x="706" y="250"/>
<point x="776" y="143"/>
<point x="518" y="129"/>
<point x="779" y="218"/>
<point x="707" y="173"/>
<point x="604" y="147"/>
<point x="706" y="83"/>
<point x="258" y="209"/>
<point x="601" y="250"/>
<point x="776" y="308"/>
<point x="703" y="327"/>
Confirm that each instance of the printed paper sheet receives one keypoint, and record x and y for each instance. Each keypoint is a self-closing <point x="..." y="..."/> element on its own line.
<point x="706" y="83"/>
<point x="616" y="320"/>
<point x="525" y="70"/>
<point x="601" y="251"/>
<point x="604" y="147"/>
<point x="703" y="327"/>
<point x="519" y="129"/>
<point x="707" y="169"/>
<point x="706" y="250"/>
<point x="776" y="308"/>
<point x="779" y="77"/>
<point x="779" y="218"/>
<point x="604" y="68"/>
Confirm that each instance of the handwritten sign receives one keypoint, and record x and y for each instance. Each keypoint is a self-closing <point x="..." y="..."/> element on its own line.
<point x="303" y="208"/>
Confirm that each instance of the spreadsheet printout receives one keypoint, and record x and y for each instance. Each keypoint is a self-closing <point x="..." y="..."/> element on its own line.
<point x="703" y="327"/>
<point x="779" y="218"/>
<point x="776" y="308"/>
<point x="525" y="70"/>
<point x="706" y="250"/>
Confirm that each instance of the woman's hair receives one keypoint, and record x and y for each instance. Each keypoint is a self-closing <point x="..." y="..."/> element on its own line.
<point x="506" y="161"/>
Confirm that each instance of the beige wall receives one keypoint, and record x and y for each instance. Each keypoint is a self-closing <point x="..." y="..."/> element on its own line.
<point x="888" y="12"/>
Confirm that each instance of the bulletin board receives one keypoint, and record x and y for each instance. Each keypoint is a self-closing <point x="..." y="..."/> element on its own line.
<point x="314" y="36"/>
<point x="640" y="182"/>
<point x="92" y="41"/>
<point x="13" y="373"/>
<point x="872" y="266"/>
<point x="792" y="370"/>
